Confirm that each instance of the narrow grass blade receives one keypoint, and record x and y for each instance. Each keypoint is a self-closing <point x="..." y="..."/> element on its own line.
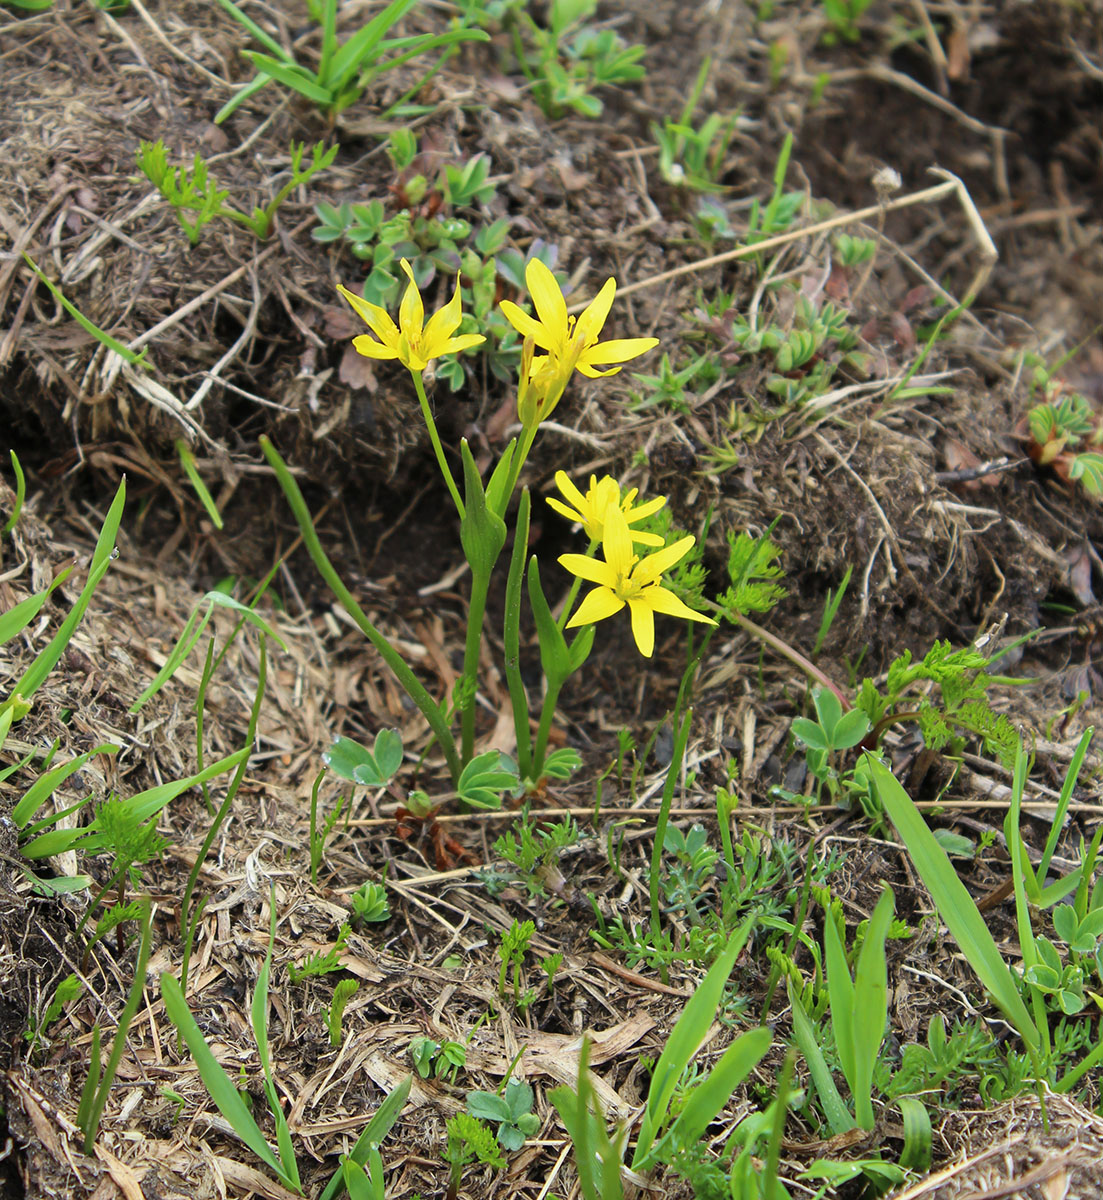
<point x="840" y="990"/>
<point x="259" y="1014"/>
<point x="226" y="1097"/>
<point x="685" y="1040"/>
<point x="955" y="905"/>
<point x="187" y="461"/>
<point x="295" y="77"/>
<point x="16" y="619"/>
<point x="20" y="490"/>
<point x="838" y="1115"/>
<point x="870" y="1007"/>
<point x="119" y="1044"/>
<point x="105" y="339"/>
<point x="707" y="1099"/>
<point x="351" y="56"/>
<point x="248" y="23"/>
<point x="44" y="787"/>
<point x="1065" y="799"/>
<point x="36" y="673"/>
<point x="374" y="1133"/>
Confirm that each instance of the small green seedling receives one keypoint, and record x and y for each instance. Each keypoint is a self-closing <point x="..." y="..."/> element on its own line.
<point x="510" y="1110"/>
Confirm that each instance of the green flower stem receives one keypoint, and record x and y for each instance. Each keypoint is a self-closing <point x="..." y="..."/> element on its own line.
<point x="528" y="436"/>
<point x="480" y="585"/>
<point x="804" y="665"/>
<point x="572" y="595"/>
<point x="410" y="682"/>
<point x="438" y="449"/>
<point x="511" y="637"/>
<point x="547" y="715"/>
<point x="682" y="724"/>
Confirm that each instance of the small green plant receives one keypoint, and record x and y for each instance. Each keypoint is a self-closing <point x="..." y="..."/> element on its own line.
<point x="225" y="1095"/>
<point x="20" y="495"/>
<point x="960" y="707"/>
<point x="198" y="200"/>
<point x="439" y="1059"/>
<point x="567" y="59"/>
<point x="666" y="1129"/>
<point x="469" y="1139"/>
<point x="509" y="1109"/>
<point x="369" y="903"/>
<point x="842" y="18"/>
<point x="97" y="1086"/>
<point x="1065" y="433"/>
<point x="534" y="850"/>
<point x="322" y="962"/>
<point x="335" y="1015"/>
<point x="670" y="387"/>
<point x="690" y="157"/>
<point x="832" y="732"/>
<point x="511" y="952"/>
<point x="67" y="990"/>
<point x="345" y="70"/>
<point x="859" y="1006"/>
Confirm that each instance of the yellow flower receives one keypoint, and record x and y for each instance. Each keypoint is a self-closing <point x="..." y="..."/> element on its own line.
<point x="590" y="510"/>
<point x="624" y="578"/>
<point x="413" y="342"/>
<point x="570" y="344"/>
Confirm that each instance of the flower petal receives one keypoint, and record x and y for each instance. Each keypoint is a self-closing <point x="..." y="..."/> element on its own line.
<point x="575" y="517"/>
<point x="442" y="325"/>
<point x="526" y="326"/>
<point x="594" y="315"/>
<point x="411" y="313"/>
<point x="616" y="544"/>
<point x="566" y="485"/>
<point x="632" y="515"/>
<point x="377" y="319"/>
<point x="643" y="625"/>
<point x="547" y="297"/>
<point x="664" y="601"/>
<point x="596" y="606"/>
<point x="594" y="373"/>
<point x="593" y="570"/>
<point x="652" y="567"/>
<point x="454" y="345"/>
<point x="370" y="348"/>
<point x="619" y="350"/>
<point x="645" y="539"/>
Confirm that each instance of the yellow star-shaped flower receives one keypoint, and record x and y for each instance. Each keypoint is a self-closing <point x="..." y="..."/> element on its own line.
<point x="571" y="344"/>
<point x="413" y="342"/>
<point x="590" y="509"/>
<point x="626" y="579"/>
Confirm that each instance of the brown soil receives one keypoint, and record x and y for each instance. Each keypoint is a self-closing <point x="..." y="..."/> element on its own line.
<point x="248" y="339"/>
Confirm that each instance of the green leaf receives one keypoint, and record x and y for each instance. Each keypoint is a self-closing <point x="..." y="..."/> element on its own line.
<point x="810" y="734"/>
<point x="706" y="1100"/>
<point x="870" y="1007"/>
<point x="374" y="1133"/>
<point x="555" y="658"/>
<point x="358" y="50"/>
<point x="955" y="905"/>
<point x="840" y="989"/>
<point x="295" y="77"/>
<point x="485" y="778"/>
<point x="839" y="1119"/>
<point x="850" y="729"/>
<point x="488" y="1106"/>
<point x="16" y="619"/>
<point x="226" y="1097"/>
<point x="45" y="786"/>
<point x="685" y="1040"/>
<point x="370" y="768"/>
